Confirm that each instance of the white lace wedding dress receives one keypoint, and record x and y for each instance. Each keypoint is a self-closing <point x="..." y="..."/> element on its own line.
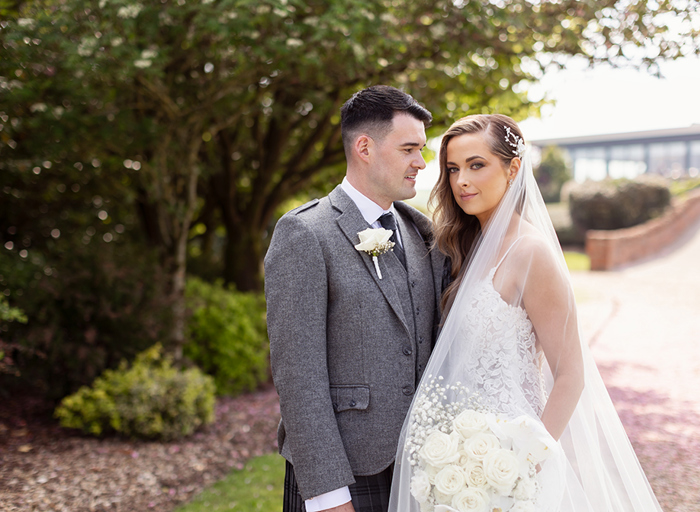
<point x="505" y="372"/>
<point x="504" y="359"/>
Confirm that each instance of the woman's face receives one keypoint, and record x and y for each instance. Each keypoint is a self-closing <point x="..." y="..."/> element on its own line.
<point x="478" y="178"/>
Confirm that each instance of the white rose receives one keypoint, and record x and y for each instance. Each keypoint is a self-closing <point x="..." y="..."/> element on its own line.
<point x="464" y="458"/>
<point x="450" y="480"/>
<point x="474" y="475"/>
<point x="523" y="506"/>
<point x="440" y="449"/>
<point x="370" y="238"/>
<point x="469" y="423"/>
<point x="525" y="489"/>
<point x="441" y="498"/>
<point x="431" y="471"/>
<point x="501" y="470"/>
<point x="479" y="445"/>
<point x="420" y="486"/>
<point x="471" y="500"/>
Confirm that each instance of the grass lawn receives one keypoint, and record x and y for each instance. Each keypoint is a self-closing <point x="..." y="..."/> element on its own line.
<point x="256" y="487"/>
<point x="577" y="261"/>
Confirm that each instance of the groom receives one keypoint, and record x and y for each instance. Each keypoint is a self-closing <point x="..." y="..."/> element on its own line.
<point x="347" y="346"/>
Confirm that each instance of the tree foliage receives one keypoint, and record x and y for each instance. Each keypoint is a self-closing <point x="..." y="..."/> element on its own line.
<point x="189" y="116"/>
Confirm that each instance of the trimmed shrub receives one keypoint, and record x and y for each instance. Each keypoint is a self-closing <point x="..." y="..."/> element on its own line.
<point x="151" y="400"/>
<point x="616" y="204"/>
<point x="227" y="335"/>
<point x="552" y="173"/>
<point x="568" y="234"/>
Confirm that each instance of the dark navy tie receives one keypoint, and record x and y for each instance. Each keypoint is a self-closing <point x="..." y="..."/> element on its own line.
<point x="389" y="222"/>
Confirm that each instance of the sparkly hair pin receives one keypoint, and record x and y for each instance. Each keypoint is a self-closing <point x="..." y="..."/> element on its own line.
<point x="516" y="142"/>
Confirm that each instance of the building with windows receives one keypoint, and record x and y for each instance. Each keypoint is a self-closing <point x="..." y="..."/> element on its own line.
<point x="673" y="153"/>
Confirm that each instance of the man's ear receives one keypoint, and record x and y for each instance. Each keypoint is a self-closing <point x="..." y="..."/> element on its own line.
<point x="363" y="146"/>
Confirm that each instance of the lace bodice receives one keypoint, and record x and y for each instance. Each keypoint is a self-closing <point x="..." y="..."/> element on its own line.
<point x="503" y="363"/>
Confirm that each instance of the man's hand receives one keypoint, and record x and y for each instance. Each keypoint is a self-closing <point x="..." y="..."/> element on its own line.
<point x="345" y="507"/>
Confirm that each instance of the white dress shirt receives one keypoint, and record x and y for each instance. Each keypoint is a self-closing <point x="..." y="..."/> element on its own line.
<point x="371" y="212"/>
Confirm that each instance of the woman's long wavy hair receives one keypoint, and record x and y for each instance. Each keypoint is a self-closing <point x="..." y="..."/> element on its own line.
<point x="456" y="231"/>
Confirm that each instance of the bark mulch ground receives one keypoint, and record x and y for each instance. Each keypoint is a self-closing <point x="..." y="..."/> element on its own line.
<point x="46" y="468"/>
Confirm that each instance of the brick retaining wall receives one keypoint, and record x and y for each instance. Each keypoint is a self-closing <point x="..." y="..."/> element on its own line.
<point x="612" y="248"/>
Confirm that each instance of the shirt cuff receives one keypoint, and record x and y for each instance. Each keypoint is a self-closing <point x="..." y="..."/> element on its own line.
<point x="328" y="500"/>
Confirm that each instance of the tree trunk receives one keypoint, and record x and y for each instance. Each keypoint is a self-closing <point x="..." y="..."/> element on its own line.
<point x="178" y="298"/>
<point x="244" y="256"/>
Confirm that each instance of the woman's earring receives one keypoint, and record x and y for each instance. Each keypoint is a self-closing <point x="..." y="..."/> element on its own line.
<point x="510" y="182"/>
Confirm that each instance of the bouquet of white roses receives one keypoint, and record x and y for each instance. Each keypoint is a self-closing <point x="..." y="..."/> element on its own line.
<point x="466" y="459"/>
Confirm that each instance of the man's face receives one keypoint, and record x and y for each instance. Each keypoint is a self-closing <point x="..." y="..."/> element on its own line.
<point x="395" y="161"/>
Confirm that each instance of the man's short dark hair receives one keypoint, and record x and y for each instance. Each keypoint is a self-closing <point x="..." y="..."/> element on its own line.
<point x="372" y="111"/>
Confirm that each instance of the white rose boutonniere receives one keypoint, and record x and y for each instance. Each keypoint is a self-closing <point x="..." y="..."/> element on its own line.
<point x="375" y="241"/>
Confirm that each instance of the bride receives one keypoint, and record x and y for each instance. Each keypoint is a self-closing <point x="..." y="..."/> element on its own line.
<point x="511" y="414"/>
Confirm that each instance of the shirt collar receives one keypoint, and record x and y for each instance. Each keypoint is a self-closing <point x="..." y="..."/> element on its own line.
<point x="370" y="210"/>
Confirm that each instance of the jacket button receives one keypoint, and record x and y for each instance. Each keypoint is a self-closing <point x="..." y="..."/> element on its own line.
<point x="407" y="351"/>
<point x="420" y="367"/>
<point x="353" y="403"/>
<point x="408" y="390"/>
<point x="417" y="310"/>
<point x="420" y="339"/>
<point x="413" y="284"/>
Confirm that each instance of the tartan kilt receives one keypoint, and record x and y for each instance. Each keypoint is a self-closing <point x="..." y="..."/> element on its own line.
<point x="369" y="493"/>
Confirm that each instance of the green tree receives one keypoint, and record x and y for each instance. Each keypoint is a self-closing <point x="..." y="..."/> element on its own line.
<point x="218" y="111"/>
<point x="552" y="173"/>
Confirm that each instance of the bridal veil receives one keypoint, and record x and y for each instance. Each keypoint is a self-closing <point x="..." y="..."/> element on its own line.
<point x="594" y="468"/>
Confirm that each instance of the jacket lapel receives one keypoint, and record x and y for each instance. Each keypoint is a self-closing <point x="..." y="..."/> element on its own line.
<point x="437" y="259"/>
<point x="350" y="221"/>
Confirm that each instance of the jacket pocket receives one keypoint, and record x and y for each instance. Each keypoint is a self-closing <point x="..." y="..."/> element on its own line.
<point x="347" y="397"/>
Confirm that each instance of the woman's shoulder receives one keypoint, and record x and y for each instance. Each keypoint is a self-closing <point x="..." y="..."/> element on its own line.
<point x="532" y="247"/>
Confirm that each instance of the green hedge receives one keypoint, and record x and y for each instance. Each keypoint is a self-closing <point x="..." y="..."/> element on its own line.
<point x="227" y="335"/>
<point x="85" y="313"/>
<point x="151" y="400"/>
<point x="568" y="234"/>
<point x="615" y="204"/>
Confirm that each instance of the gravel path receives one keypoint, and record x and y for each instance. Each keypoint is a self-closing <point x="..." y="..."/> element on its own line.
<point x="46" y="468"/>
<point x="643" y="324"/>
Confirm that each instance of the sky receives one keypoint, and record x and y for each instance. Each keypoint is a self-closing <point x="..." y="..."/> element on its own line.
<point x="598" y="100"/>
<point x="592" y="101"/>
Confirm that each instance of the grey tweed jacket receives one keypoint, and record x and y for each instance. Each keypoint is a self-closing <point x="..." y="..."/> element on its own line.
<point x="347" y="349"/>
